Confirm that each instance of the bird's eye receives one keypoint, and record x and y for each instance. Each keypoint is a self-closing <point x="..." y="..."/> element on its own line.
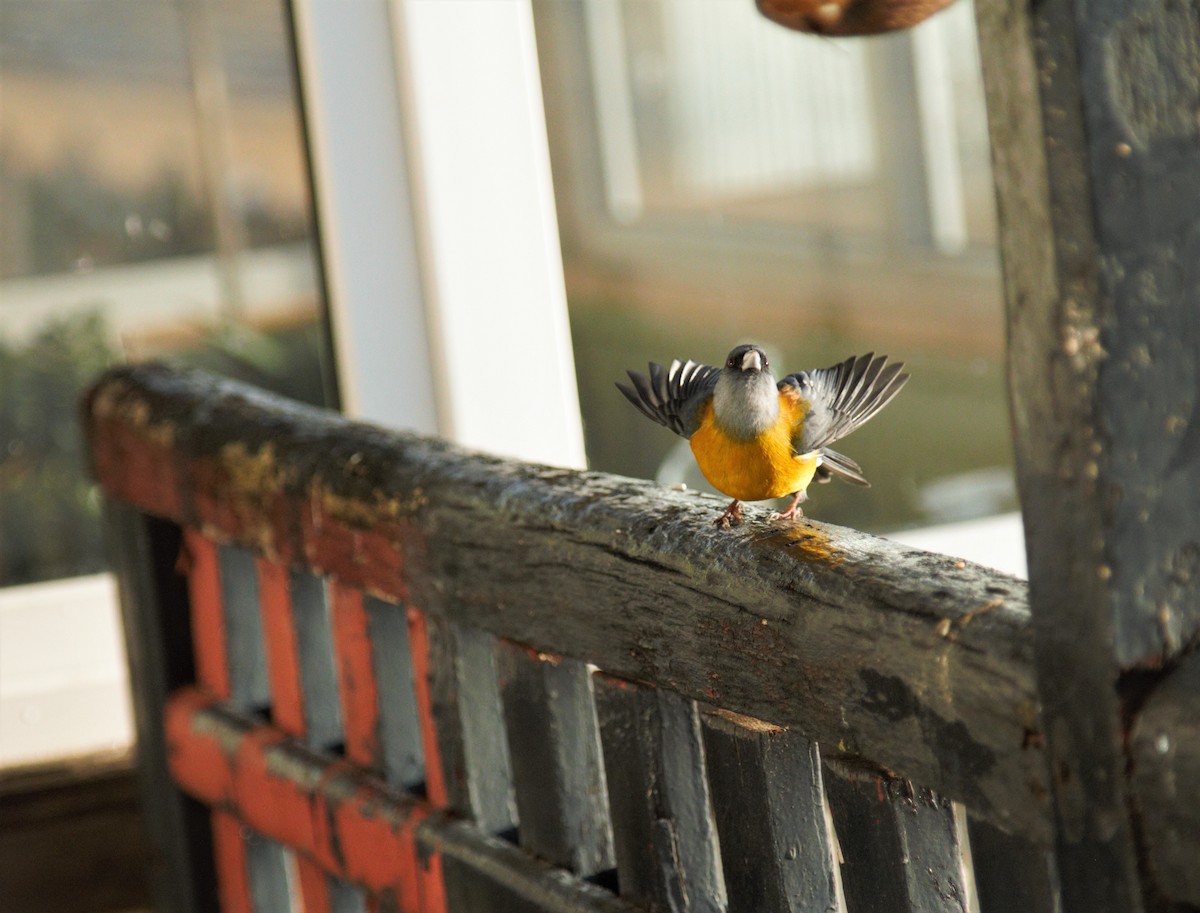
<point x="729" y="364"/>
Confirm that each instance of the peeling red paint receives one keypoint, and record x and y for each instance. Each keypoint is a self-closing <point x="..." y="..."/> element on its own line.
<point x="283" y="654"/>
<point x="133" y="467"/>
<point x="193" y="760"/>
<point x="233" y="878"/>
<point x="208" y="622"/>
<point x="371" y="559"/>
<point x="435" y="778"/>
<point x="356" y="675"/>
<point x="314" y="887"/>
<point x="349" y="825"/>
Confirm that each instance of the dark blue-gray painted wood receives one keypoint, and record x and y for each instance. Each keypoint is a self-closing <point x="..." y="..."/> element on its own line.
<point x="144" y="553"/>
<point x="267" y="869"/>
<point x="346" y="898"/>
<point x="1012" y="875"/>
<point x="399" y="727"/>
<point x="485" y="745"/>
<point x="899" y="845"/>
<point x="1092" y="110"/>
<point x="245" y="647"/>
<point x="470" y="725"/>
<point x="488" y="875"/>
<point x="318" y="674"/>
<point x="663" y="829"/>
<point x="769" y="802"/>
<point x="554" y="745"/>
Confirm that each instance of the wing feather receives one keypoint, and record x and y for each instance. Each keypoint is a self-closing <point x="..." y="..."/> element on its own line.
<point x="672" y="396"/>
<point x="841" y="399"/>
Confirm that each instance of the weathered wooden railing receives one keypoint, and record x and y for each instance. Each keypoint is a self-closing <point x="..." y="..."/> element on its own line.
<point x="369" y="656"/>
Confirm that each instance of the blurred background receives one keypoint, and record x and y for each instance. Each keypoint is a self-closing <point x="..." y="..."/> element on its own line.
<point x="715" y="179"/>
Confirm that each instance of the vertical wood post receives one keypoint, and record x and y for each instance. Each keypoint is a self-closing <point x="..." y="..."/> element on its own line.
<point x="1092" y="107"/>
<point x="158" y="644"/>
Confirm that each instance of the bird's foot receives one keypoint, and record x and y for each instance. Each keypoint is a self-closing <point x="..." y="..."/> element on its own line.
<point x="731" y="517"/>
<point x="793" y="510"/>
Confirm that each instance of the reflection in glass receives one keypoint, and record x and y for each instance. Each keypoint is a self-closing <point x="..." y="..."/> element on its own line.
<point x="720" y="179"/>
<point x="154" y="202"/>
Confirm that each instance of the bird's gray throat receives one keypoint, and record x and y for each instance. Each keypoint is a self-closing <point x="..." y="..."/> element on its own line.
<point x="745" y="407"/>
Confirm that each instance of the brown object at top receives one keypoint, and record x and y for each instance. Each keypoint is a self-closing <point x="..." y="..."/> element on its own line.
<point x="849" y="17"/>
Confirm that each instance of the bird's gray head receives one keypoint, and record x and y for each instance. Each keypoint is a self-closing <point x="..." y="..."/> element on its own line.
<point x="746" y="399"/>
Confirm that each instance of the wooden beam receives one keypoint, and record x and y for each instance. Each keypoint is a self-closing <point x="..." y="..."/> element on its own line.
<point x="1097" y="165"/>
<point x="917" y="661"/>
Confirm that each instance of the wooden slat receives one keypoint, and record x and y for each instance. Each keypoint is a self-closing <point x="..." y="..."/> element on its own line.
<point x="158" y="648"/>
<point x="357" y="829"/>
<point x="770" y="811"/>
<point x="465" y="701"/>
<point x="267" y="865"/>
<point x="555" y="752"/>
<point x="356" y="677"/>
<point x="313" y="618"/>
<point x="873" y="649"/>
<point x="199" y="560"/>
<point x="399" y="723"/>
<point x="1165" y="746"/>
<point x="345" y="898"/>
<point x="283" y="651"/>
<point x="215" y="574"/>
<point x="899" y="845"/>
<point x="663" y="831"/>
<point x="1012" y="875"/>
<point x="233" y="872"/>
<point x="304" y="701"/>
<point x="245" y="645"/>
<point x="436" y="786"/>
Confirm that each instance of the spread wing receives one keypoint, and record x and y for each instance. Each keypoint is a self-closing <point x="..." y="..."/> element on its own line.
<point x="672" y="396"/>
<point x="841" y="399"/>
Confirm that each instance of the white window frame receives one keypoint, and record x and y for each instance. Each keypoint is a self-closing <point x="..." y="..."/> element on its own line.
<point x="436" y="216"/>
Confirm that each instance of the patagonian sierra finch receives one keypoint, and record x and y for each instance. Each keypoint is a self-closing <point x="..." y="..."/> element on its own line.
<point x="756" y="439"/>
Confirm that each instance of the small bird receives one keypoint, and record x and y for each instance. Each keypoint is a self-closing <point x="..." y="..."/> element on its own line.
<point x="756" y="439"/>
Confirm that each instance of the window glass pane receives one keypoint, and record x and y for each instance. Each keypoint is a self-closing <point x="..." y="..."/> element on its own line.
<point x="154" y="203"/>
<point x="720" y="179"/>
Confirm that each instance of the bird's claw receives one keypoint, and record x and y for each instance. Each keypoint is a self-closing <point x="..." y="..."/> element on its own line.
<point x="731" y="517"/>
<point x="790" y="514"/>
<point x="793" y="510"/>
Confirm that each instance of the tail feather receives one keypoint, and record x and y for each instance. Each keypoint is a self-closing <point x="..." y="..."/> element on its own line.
<point x="834" y="463"/>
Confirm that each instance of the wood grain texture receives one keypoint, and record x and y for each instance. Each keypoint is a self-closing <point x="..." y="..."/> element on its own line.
<point x="472" y="743"/>
<point x="1092" y="116"/>
<point x="900" y="846"/>
<point x="554" y="749"/>
<point x="919" y="662"/>
<point x="1012" y="875"/>
<point x="769" y="805"/>
<point x="399" y="718"/>
<point x="664" y="834"/>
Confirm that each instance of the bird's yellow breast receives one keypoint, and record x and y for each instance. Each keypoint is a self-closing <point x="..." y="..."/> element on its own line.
<point x="754" y="470"/>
